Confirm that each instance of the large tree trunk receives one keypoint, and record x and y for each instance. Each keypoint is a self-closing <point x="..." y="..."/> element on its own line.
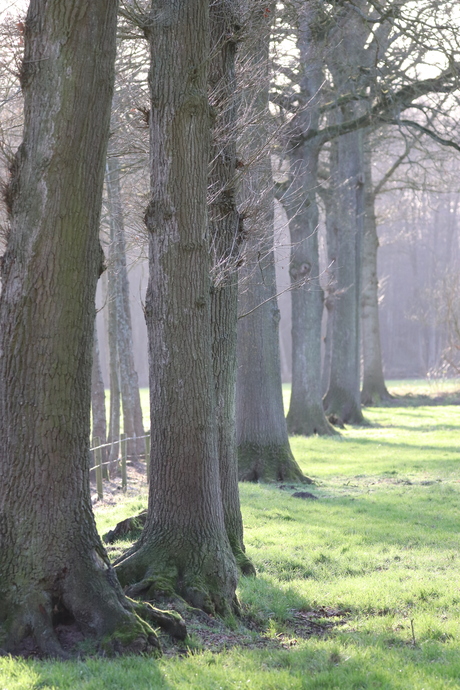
<point x="354" y="51"/>
<point x="374" y="389"/>
<point x="343" y="396"/>
<point x="98" y="398"/>
<point x="52" y="560"/>
<point x="306" y="413"/>
<point x="184" y="545"/>
<point x="129" y="384"/>
<point x="329" y="197"/>
<point x="224" y="222"/>
<point x="263" y="445"/>
<point x="112" y="338"/>
<point x="329" y="302"/>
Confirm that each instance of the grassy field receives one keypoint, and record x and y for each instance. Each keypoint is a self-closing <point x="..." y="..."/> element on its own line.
<point x="357" y="586"/>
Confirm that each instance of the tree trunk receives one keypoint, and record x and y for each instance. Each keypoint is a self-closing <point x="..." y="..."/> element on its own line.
<point x="374" y="389"/>
<point x="184" y="546"/>
<point x="355" y="48"/>
<point x="328" y="195"/>
<point x="129" y="384"/>
<point x="306" y="413"/>
<point x="112" y="337"/>
<point x="263" y="445"/>
<point x="343" y="396"/>
<point x="224" y="221"/>
<point x="52" y="559"/>
<point x="98" y="398"/>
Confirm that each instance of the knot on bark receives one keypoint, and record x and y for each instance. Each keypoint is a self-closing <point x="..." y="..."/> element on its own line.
<point x="301" y="271"/>
<point x="157" y="213"/>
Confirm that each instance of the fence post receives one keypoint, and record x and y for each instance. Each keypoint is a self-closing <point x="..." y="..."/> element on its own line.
<point x="98" y="465"/>
<point x="124" y="452"/>
<point x="147" y="456"/>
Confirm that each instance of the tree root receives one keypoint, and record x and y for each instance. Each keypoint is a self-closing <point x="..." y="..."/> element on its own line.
<point x="124" y="640"/>
<point x="203" y="581"/>
<point x="269" y="463"/>
<point x="310" y="421"/>
<point x="171" y="621"/>
<point x="35" y="618"/>
<point x="114" y="626"/>
<point x="243" y="563"/>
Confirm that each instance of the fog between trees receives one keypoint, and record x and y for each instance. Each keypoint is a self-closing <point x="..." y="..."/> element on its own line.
<point x="416" y="211"/>
<point x="346" y="112"/>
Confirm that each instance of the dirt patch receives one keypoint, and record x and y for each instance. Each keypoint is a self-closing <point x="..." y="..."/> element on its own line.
<point x="206" y="633"/>
<point x="112" y="488"/>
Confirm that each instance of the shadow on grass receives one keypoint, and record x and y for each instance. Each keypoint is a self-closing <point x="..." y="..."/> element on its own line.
<point x="363" y="661"/>
<point x="122" y="673"/>
<point x="405" y="446"/>
<point x="413" y="400"/>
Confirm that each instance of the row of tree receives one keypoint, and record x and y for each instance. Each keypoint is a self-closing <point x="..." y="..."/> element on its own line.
<point x="216" y="112"/>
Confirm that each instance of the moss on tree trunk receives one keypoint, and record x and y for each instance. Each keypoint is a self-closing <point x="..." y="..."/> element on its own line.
<point x="374" y="389"/>
<point x="306" y="414"/>
<point x="184" y="546"/>
<point x="262" y="439"/>
<point x="225" y="242"/>
<point x="267" y="463"/>
<point x="52" y="561"/>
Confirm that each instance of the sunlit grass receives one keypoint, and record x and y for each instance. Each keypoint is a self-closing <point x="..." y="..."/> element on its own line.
<point x="379" y="548"/>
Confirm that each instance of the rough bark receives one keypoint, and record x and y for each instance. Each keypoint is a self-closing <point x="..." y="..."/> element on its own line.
<point x="329" y="198"/>
<point x="346" y="53"/>
<point x="306" y="413"/>
<point x="343" y="396"/>
<point x="129" y="384"/>
<point x="112" y="339"/>
<point x="264" y="452"/>
<point x="373" y="389"/>
<point x="98" y="398"/>
<point x="52" y="560"/>
<point x="225" y="242"/>
<point x="184" y="546"/>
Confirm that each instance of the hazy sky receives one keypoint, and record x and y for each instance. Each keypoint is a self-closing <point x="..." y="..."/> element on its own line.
<point x="13" y="6"/>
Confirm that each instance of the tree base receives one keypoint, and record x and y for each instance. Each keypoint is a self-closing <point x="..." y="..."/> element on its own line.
<point x="244" y="564"/>
<point x="310" y="422"/>
<point x="341" y="404"/>
<point x="371" y="395"/>
<point x="44" y="626"/>
<point x="132" y="527"/>
<point x="271" y="463"/>
<point x="203" y="574"/>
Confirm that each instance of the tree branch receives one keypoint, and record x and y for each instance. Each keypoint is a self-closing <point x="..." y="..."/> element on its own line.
<point x="382" y="110"/>
<point x="428" y="132"/>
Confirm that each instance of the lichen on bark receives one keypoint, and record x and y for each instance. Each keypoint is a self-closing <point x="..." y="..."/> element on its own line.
<point x="184" y="546"/>
<point x="53" y="564"/>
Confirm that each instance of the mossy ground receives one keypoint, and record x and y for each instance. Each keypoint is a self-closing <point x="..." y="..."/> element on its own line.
<point x="357" y="589"/>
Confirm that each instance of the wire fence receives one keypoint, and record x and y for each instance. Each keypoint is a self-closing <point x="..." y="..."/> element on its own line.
<point x="98" y="463"/>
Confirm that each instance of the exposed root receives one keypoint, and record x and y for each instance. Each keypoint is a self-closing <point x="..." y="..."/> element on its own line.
<point x="35" y="619"/>
<point x="46" y="639"/>
<point x="149" y="589"/>
<point x="140" y="639"/>
<point x="244" y="564"/>
<point x="171" y="621"/>
<point x="268" y="463"/>
<point x="335" y="421"/>
<point x="112" y="625"/>
<point x="309" y="422"/>
<point x="204" y="581"/>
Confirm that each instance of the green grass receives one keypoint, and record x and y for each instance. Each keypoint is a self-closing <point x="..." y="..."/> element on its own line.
<point x="373" y="563"/>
